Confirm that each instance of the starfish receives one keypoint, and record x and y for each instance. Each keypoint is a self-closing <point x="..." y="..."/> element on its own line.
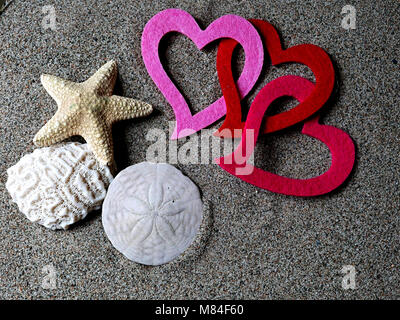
<point x="88" y="109"/>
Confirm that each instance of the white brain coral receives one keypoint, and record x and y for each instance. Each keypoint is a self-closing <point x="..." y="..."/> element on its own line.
<point x="58" y="185"/>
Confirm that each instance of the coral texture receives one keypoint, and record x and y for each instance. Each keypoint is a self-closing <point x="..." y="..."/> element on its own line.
<point x="58" y="185"/>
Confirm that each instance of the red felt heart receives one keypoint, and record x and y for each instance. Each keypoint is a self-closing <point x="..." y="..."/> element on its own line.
<point x="308" y="54"/>
<point x="338" y="142"/>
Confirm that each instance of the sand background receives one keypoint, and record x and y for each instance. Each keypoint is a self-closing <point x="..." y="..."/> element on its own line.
<point x="260" y="245"/>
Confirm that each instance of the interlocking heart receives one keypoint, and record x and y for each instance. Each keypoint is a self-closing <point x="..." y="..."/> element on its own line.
<point x="338" y="142"/>
<point x="310" y="55"/>
<point x="311" y="96"/>
<point x="228" y="26"/>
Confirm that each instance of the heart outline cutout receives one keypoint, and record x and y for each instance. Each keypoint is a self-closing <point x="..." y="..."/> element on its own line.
<point x="228" y="26"/>
<point x="339" y="143"/>
<point x="309" y="55"/>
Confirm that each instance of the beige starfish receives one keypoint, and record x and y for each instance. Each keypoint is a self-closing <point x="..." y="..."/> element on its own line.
<point x="88" y="109"/>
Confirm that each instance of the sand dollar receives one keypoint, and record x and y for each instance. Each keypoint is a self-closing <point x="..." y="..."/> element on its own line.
<point x="152" y="212"/>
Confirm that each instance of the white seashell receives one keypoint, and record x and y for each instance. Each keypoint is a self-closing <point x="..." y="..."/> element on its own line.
<point x="152" y="212"/>
<point x="58" y="185"/>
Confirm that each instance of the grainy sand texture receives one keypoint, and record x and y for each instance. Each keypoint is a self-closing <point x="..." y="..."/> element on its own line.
<point x="256" y="244"/>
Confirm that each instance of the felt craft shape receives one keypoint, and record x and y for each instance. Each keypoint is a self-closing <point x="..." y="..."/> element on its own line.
<point x="308" y="54"/>
<point x="339" y="143"/>
<point x="228" y="26"/>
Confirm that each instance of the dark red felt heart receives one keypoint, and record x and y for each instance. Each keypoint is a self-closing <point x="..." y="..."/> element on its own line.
<point x="308" y="54"/>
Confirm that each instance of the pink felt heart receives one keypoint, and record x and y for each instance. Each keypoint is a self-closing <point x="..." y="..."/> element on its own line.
<point x="338" y="142"/>
<point x="229" y="26"/>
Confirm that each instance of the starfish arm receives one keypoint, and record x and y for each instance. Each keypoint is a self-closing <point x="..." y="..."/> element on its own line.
<point x="103" y="81"/>
<point x="99" y="138"/>
<point x="58" y="88"/>
<point x="56" y="129"/>
<point x="120" y="108"/>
